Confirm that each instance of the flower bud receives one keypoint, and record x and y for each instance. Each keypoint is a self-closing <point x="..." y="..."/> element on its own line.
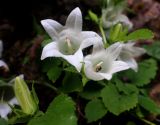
<point x="24" y="97"/>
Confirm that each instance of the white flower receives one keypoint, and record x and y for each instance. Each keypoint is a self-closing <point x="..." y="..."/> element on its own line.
<point x="5" y="109"/>
<point x="113" y="15"/>
<point x="2" y="63"/>
<point x="128" y="52"/>
<point x="102" y="63"/>
<point x="68" y="40"/>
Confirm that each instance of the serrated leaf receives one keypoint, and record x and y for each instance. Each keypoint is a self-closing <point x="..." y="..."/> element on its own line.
<point x="71" y="82"/>
<point x="140" y="34"/>
<point x="3" y="122"/>
<point x="149" y="104"/>
<point x="153" y="50"/>
<point x="118" y="102"/>
<point x="126" y="88"/>
<point x="146" y="72"/>
<point x="60" y="111"/>
<point x="95" y="110"/>
<point x="91" y="91"/>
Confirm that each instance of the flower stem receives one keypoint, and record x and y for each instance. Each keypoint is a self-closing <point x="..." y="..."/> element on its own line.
<point x="148" y="122"/>
<point x="47" y="85"/>
<point x="103" y="34"/>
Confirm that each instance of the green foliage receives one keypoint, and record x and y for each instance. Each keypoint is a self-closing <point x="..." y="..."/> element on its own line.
<point x="52" y="67"/>
<point x="140" y="34"/>
<point x="60" y="111"/>
<point x="71" y="82"/>
<point x="119" y="101"/>
<point x="149" y="104"/>
<point x="93" y="16"/>
<point x="146" y="72"/>
<point x="91" y="91"/>
<point x="121" y="34"/>
<point x="3" y="122"/>
<point x="153" y="50"/>
<point x="95" y="110"/>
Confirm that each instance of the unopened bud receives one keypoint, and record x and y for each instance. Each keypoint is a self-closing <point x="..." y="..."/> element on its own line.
<point x="24" y="96"/>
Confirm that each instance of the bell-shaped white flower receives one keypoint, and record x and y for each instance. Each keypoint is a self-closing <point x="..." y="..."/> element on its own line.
<point x="113" y="15"/>
<point x="2" y="63"/>
<point x="102" y="63"/>
<point x="128" y="52"/>
<point x="68" y="40"/>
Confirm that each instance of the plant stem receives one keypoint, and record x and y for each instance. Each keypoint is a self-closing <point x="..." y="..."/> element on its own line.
<point x="148" y="122"/>
<point x="103" y="34"/>
<point x="47" y="85"/>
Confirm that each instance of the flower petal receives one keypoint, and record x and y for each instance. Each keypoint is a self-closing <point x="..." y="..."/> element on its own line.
<point x="76" y="59"/>
<point x="89" y="34"/>
<point x="119" y="66"/>
<point x="114" y="50"/>
<point x="74" y="20"/>
<point x="3" y="64"/>
<point x="4" y="110"/>
<point x="95" y="41"/>
<point x="106" y="76"/>
<point x="90" y="73"/>
<point x="51" y="50"/>
<point x="52" y="28"/>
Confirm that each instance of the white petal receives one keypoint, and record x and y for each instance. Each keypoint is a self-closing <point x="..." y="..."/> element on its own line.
<point x="52" y="28"/>
<point x="76" y="59"/>
<point x="1" y="48"/>
<point x="74" y="20"/>
<point x="90" y="73"/>
<point x="51" y="50"/>
<point x="4" y="110"/>
<point x="138" y="51"/>
<point x="132" y="64"/>
<point x="114" y="50"/>
<point x="119" y="66"/>
<point x="13" y="101"/>
<point x="107" y="76"/>
<point x="124" y="19"/>
<point x="89" y="34"/>
<point x="3" y="64"/>
<point x="95" y="41"/>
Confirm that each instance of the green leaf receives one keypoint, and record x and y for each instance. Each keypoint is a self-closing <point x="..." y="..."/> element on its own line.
<point x="50" y="62"/>
<point x="3" y="122"/>
<point x="118" y="102"/>
<point x="146" y="72"/>
<point x="95" y="110"/>
<point x="140" y="34"/>
<point x="60" y="111"/>
<point x="54" y="73"/>
<point x="153" y="50"/>
<point x="149" y="104"/>
<point x="91" y="91"/>
<point x="71" y="82"/>
<point x="52" y="68"/>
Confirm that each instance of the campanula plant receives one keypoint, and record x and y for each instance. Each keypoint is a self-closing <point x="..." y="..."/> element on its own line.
<point x="91" y="74"/>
